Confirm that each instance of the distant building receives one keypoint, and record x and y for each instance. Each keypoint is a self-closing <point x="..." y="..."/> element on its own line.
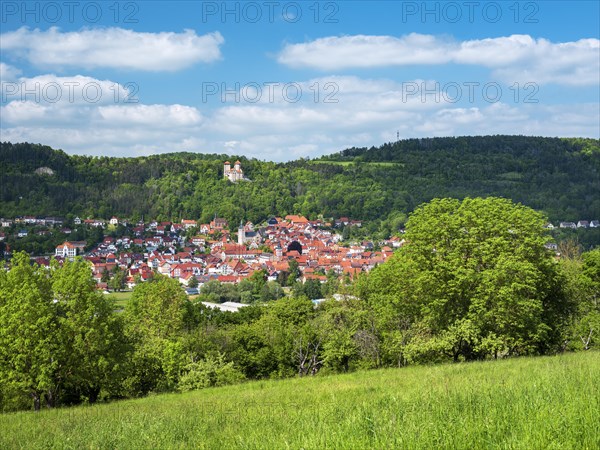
<point x="66" y="250"/>
<point x="567" y="225"/>
<point x="241" y="235"/>
<point x="187" y="224"/>
<point x="218" y="223"/>
<point x="235" y="174"/>
<point x="69" y="249"/>
<point x="227" y="306"/>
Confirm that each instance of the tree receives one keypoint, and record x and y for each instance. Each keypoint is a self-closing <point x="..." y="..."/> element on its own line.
<point x="60" y="340"/>
<point x="28" y="332"/>
<point x="117" y="283"/>
<point x="271" y="291"/>
<point x="259" y="281"/>
<point x="332" y="284"/>
<point x="582" y="275"/>
<point x="91" y="340"/>
<point x="294" y="272"/>
<point x="312" y="289"/>
<point x="474" y="280"/>
<point x="155" y="320"/>
<point x="105" y="276"/>
<point x="193" y="283"/>
<point x="337" y="327"/>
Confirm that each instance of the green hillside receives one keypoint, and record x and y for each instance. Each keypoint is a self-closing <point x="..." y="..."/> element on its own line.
<point x="560" y="177"/>
<point x="527" y="403"/>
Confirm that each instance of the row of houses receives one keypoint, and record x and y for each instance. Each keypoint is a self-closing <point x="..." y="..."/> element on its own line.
<point x="216" y="256"/>
<point x="573" y="225"/>
<point x="32" y="220"/>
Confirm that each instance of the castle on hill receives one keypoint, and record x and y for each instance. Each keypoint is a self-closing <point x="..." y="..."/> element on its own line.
<point x="235" y="174"/>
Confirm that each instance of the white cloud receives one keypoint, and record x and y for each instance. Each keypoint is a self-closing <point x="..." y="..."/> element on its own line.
<point x="282" y="131"/>
<point x="513" y="58"/>
<point x="52" y="89"/>
<point x="8" y="73"/>
<point x="18" y="112"/>
<point x="113" y="48"/>
<point x="231" y="144"/>
<point x="150" y="115"/>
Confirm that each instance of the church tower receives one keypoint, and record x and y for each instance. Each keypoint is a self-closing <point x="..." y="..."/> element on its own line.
<point x="241" y="234"/>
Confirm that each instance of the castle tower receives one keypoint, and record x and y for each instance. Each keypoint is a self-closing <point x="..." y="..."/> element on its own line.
<point x="237" y="171"/>
<point x="226" y="169"/>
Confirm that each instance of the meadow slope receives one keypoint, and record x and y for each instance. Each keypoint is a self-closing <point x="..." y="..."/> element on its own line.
<point x="527" y="403"/>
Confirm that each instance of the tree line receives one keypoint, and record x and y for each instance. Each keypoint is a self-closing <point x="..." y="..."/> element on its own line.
<point x="380" y="185"/>
<point x="475" y="281"/>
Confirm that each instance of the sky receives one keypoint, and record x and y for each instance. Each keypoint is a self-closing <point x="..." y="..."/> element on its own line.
<point x="279" y="80"/>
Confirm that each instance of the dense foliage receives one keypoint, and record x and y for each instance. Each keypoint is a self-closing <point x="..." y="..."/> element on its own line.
<point x="558" y="176"/>
<point x="475" y="281"/>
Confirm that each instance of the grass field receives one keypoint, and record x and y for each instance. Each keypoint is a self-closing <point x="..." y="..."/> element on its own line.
<point x="120" y="298"/>
<point x="347" y="163"/>
<point x="529" y="403"/>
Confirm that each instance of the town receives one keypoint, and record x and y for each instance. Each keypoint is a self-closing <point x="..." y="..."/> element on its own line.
<point x="196" y="253"/>
<point x="123" y="254"/>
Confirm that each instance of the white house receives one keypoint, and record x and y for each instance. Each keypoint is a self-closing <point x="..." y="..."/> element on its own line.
<point x="567" y="225"/>
<point x="66" y="250"/>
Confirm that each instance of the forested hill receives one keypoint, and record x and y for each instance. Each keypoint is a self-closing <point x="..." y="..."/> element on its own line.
<point x="558" y="176"/>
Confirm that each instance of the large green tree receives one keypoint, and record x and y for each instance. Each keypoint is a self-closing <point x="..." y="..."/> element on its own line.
<point x="29" y="341"/>
<point x="155" y="319"/>
<point x="60" y="341"/>
<point x="582" y="274"/>
<point x="91" y="339"/>
<point x="474" y="280"/>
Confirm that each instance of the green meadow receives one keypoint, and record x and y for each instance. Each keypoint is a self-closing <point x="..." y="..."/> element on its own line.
<point x="527" y="403"/>
<point x="120" y="298"/>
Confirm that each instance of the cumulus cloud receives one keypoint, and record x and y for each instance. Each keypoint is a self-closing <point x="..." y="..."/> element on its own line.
<point x="51" y="89"/>
<point x="8" y="72"/>
<point x="515" y="57"/>
<point x="369" y="112"/>
<point x="151" y="115"/>
<point x="113" y="48"/>
<point x="82" y="103"/>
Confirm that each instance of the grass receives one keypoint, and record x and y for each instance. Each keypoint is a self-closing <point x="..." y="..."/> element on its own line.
<point x="369" y="163"/>
<point x="120" y="298"/>
<point x="528" y="403"/>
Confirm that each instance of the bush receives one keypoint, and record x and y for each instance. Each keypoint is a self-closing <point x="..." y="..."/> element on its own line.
<point x="209" y="372"/>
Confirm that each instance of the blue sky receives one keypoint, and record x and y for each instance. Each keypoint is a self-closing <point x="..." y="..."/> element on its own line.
<point x="282" y="80"/>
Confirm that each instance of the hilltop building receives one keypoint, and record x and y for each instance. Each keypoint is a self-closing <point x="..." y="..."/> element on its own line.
<point x="235" y="174"/>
